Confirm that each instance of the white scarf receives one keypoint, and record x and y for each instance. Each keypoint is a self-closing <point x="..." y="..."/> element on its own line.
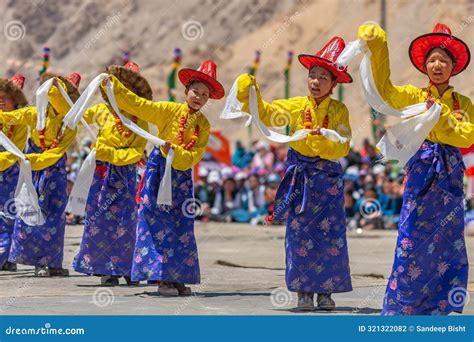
<point x="233" y="110"/>
<point x="42" y="102"/>
<point x="26" y="198"/>
<point x="78" y="198"/>
<point x="401" y="141"/>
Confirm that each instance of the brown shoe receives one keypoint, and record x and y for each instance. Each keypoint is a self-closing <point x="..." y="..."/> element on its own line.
<point x="130" y="282"/>
<point x="183" y="290"/>
<point x="305" y="302"/>
<point x="9" y="267"/>
<point x="167" y="289"/>
<point x="58" y="272"/>
<point x="109" y="280"/>
<point x="325" y="302"/>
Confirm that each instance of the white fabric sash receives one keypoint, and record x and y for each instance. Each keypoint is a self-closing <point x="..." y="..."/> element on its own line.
<point x="403" y="139"/>
<point x="26" y="198"/>
<point x="80" y="191"/>
<point x="84" y="179"/>
<point x="42" y="101"/>
<point x="233" y="110"/>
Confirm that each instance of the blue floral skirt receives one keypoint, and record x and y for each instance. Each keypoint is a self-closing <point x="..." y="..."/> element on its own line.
<point x="110" y="222"/>
<point x="311" y="198"/>
<point x="8" y="182"/>
<point x="429" y="274"/>
<point x="44" y="245"/>
<point x="166" y="248"/>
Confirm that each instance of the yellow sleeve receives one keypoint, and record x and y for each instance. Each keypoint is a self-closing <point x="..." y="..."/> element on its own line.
<point x="157" y="113"/>
<point x="7" y="159"/>
<point x="24" y="116"/>
<point x="396" y="96"/>
<point x="120" y="157"/>
<point x="185" y="159"/>
<point x="451" y="131"/>
<point x="57" y="100"/>
<point x="92" y="114"/>
<point x="40" y="161"/>
<point x="274" y="114"/>
<point x="328" y="149"/>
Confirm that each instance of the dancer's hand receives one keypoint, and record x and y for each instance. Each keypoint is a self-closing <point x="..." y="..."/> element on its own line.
<point x="105" y="80"/>
<point x="315" y="131"/>
<point x="429" y="102"/>
<point x="166" y="147"/>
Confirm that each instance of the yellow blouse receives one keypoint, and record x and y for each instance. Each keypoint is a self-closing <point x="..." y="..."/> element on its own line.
<point x="292" y="112"/>
<point x="27" y="117"/>
<point x="20" y="134"/>
<point x="111" y="146"/>
<point x="166" y="116"/>
<point x="448" y="130"/>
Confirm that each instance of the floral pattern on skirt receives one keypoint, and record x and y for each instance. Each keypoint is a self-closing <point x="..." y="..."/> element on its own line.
<point x="311" y="198"/>
<point x="8" y="182"/>
<point x="166" y="248"/>
<point x="110" y="222"/>
<point x="44" y="245"/>
<point x="429" y="274"/>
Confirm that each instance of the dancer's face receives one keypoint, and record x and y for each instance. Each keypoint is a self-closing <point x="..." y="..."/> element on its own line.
<point x="320" y="82"/>
<point x="197" y="95"/>
<point x="6" y="102"/>
<point x="439" y="66"/>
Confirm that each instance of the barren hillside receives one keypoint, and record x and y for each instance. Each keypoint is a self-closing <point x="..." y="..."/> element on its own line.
<point x="86" y="36"/>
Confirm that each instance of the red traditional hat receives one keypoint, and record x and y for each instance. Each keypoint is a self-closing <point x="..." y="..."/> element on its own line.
<point x="72" y="85"/>
<point x="327" y="58"/>
<point x="207" y="74"/>
<point x="75" y="79"/>
<point x="14" y="87"/>
<point x="18" y="80"/>
<point x="441" y="37"/>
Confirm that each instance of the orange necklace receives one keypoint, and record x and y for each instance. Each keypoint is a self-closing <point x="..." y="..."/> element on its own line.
<point x="55" y="141"/>
<point x="181" y="128"/>
<point x="119" y="124"/>
<point x="308" y="124"/>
